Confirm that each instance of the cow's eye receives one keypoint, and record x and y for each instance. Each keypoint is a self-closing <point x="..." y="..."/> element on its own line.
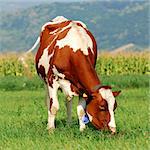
<point x="102" y="108"/>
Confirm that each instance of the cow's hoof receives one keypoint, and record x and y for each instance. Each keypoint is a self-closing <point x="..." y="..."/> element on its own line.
<point x="51" y="130"/>
<point x="50" y="127"/>
<point x="82" y="129"/>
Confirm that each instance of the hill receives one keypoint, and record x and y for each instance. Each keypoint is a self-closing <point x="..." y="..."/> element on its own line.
<point x="113" y="23"/>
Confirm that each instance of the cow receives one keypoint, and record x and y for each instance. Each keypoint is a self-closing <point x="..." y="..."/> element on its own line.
<point x="66" y="60"/>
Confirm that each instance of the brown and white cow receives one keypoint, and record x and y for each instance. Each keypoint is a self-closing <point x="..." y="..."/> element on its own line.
<point x="66" y="59"/>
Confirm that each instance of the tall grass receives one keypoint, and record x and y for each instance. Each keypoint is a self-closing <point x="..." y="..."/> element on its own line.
<point x="107" y="64"/>
<point x="123" y="63"/>
<point x="11" y="65"/>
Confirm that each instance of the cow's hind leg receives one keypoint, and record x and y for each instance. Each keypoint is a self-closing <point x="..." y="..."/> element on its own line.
<point x="81" y="112"/>
<point x="69" y="110"/>
<point x="53" y="104"/>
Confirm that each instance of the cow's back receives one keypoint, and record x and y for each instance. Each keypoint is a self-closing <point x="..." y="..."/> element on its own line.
<point x="61" y="46"/>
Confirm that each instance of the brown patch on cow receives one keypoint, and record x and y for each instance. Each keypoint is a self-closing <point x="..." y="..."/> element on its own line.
<point x="47" y="39"/>
<point x="63" y="34"/>
<point x="83" y="71"/>
<point x="61" y="59"/>
<point x="50" y="77"/>
<point x="101" y="121"/>
<point x="74" y="89"/>
<point x="50" y="104"/>
<point x="41" y="71"/>
<point x="116" y="93"/>
<point x="79" y="24"/>
<point x="106" y="87"/>
<point x="52" y="27"/>
<point x="100" y="117"/>
<point x="90" y="55"/>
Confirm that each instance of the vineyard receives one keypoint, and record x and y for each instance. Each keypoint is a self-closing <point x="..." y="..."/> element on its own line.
<point x="107" y="64"/>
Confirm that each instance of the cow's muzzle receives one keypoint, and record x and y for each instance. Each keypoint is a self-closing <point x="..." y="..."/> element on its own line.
<point x="113" y="130"/>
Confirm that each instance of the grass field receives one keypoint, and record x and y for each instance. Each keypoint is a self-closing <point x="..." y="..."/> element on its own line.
<point x="23" y="119"/>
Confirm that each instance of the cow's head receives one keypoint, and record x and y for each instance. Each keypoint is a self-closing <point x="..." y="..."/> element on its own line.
<point x="101" y="109"/>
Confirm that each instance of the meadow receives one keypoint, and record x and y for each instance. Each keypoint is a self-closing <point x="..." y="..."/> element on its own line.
<point x="23" y="113"/>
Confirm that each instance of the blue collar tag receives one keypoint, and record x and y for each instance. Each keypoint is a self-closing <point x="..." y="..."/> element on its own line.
<point x="85" y="119"/>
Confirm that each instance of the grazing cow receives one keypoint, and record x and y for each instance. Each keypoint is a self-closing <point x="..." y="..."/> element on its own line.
<point x="66" y="59"/>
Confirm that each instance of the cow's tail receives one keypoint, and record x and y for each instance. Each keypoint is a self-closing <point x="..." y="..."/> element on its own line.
<point x="23" y="58"/>
<point x="34" y="46"/>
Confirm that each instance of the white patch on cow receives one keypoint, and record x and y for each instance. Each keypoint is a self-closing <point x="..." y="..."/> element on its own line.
<point x="108" y="96"/>
<point x="58" y="19"/>
<point x="65" y="85"/>
<point x="44" y="60"/>
<point x="77" y="39"/>
<point x="81" y="112"/>
<point x="52" y="92"/>
<point x="56" y="73"/>
<point x="51" y="121"/>
<point x="43" y="27"/>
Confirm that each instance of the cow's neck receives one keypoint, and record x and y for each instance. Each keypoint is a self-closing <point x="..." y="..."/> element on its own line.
<point x="84" y="72"/>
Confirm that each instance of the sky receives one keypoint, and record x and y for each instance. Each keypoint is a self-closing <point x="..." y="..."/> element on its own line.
<point x="41" y="0"/>
<point x="62" y="0"/>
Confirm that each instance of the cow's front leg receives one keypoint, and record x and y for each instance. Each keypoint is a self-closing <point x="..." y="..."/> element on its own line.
<point x="53" y="104"/>
<point x="81" y="112"/>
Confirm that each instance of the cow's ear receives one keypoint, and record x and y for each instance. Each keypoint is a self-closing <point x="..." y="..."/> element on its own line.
<point x="116" y="93"/>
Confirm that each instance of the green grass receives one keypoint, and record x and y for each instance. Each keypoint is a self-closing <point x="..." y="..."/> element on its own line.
<point x="12" y="83"/>
<point x="23" y="119"/>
